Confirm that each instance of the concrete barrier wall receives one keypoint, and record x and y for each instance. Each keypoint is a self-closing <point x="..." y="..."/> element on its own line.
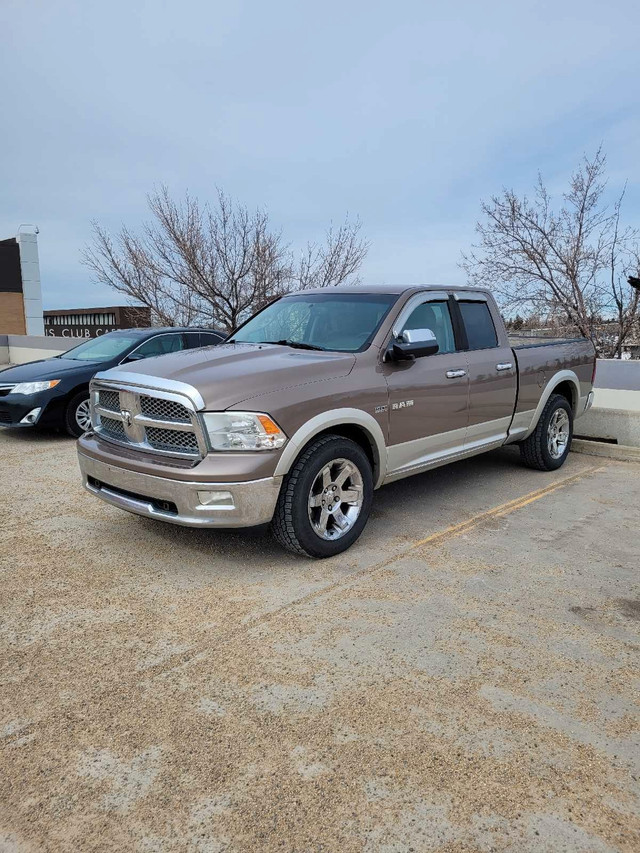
<point x="617" y="425"/>
<point x="615" y="416"/>
<point x="621" y="375"/>
<point x="23" y="348"/>
<point x="608" y="398"/>
<point x="4" y="349"/>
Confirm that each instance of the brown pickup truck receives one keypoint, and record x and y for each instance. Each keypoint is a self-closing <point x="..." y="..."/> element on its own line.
<point x="321" y="398"/>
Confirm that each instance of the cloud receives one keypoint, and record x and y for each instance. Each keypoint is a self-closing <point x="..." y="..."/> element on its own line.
<point x="404" y="114"/>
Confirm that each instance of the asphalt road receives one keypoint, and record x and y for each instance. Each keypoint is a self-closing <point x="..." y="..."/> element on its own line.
<point x="464" y="679"/>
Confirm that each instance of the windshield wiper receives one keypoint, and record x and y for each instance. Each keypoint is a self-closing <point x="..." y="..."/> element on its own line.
<point x="294" y="344"/>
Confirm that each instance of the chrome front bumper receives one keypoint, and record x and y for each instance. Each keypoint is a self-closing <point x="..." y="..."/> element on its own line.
<point x="187" y="503"/>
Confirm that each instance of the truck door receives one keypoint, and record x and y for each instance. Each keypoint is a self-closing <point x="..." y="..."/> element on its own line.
<point x="428" y="397"/>
<point x="493" y="375"/>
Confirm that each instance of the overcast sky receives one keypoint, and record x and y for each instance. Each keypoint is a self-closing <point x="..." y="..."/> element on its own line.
<point x="403" y="113"/>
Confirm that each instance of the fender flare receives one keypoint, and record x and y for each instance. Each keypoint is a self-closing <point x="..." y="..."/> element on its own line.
<point x="549" y="388"/>
<point x="332" y="418"/>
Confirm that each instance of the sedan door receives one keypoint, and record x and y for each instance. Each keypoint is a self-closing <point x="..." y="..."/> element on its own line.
<point x="428" y="397"/>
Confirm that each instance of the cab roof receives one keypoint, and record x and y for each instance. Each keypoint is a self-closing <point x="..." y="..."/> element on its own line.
<point x="388" y="288"/>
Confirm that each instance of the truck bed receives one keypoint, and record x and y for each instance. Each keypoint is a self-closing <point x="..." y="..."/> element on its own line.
<point x="539" y="359"/>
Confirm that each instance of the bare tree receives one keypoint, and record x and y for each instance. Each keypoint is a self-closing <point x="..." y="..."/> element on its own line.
<point x="621" y="296"/>
<point x="569" y="262"/>
<point x="337" y="261"/>
<point x="196" y="264"/>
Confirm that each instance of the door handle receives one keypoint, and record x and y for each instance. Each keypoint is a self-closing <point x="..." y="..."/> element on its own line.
<point x="456" y="374"/>
<point x="507" y="365"/>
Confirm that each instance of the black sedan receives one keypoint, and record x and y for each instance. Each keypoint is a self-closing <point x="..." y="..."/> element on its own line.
<point x="55" y="391"/>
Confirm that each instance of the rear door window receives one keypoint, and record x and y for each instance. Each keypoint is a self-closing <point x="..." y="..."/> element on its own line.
<point x="161" y="345"/>
<point x="208" y="339"/>
<point x="478" y="323"/>
<point x="192" y="340"/>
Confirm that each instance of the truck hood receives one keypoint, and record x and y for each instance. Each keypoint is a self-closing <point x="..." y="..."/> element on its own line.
<point x="228" y="374"/>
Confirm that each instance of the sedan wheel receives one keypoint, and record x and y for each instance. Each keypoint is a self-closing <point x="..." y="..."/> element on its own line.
<point x="83" y="416"/>
<point x="77" y="415"/>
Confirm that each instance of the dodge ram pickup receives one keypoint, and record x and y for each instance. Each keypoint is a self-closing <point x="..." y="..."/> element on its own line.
<point x="322" y="397"/>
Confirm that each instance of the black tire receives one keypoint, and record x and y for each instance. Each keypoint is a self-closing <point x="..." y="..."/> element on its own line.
<point x="71" y="412"/>
<point x="291" y="525"/>
<point x="534" y="450"/>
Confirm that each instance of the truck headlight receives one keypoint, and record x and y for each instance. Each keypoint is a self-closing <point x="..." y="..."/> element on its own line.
<point x="243" y="431"/>
<point x="34" y="387"/>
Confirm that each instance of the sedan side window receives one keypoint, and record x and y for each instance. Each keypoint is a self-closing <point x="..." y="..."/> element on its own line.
<point x="208" y="339"/>
<point x="192" y="340"/>
<point x="434" y="316"/>
<point x="161" y="345"/>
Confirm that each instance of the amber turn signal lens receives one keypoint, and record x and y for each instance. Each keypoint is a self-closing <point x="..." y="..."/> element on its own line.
<point x="270" y="427"/>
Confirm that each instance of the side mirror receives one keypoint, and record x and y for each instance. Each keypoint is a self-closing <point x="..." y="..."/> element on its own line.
<point x="134" y="356"/>
<point x="413" y="343"/>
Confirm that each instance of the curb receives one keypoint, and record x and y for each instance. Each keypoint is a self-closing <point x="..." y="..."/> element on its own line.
<point x="603" y="448"/>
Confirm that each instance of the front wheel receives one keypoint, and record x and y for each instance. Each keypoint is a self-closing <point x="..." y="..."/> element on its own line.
<point x="77" y="417"/>
<point x="548" y="445"/>
<point x="325" y="499"/>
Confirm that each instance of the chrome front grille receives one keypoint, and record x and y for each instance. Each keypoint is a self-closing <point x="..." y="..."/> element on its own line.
<point x="169" y="439"/>
<point x="109" y="400"/>
<point x="164" y="410"/>
<point x="113" y="428"/>
<point x="155" y="421"/>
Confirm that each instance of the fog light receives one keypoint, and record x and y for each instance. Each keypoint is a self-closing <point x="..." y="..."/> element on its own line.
<point x="32" y="417"/>
<point x="216" y="500"/>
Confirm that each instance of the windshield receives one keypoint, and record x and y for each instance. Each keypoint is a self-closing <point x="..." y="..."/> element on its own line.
<point x="345" y="322"/>
<point x="103" y="348"/>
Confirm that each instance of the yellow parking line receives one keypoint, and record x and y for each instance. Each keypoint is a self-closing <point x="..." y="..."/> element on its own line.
<point x="505" y="508"/>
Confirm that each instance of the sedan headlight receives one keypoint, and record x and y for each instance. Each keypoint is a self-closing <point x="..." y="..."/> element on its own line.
<point x="34" y="387"/>
<point x="243" y="431"/>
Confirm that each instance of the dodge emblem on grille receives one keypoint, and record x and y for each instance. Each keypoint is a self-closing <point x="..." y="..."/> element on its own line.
<point x="126" y="417"/>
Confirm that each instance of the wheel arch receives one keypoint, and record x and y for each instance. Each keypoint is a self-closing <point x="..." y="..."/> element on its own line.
<point x="81" y="386"/>
<point x="355" y="424"/>
<point x="564" y="382"/>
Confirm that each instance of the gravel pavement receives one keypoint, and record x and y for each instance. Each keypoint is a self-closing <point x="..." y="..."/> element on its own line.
<point x="464" y="679"/>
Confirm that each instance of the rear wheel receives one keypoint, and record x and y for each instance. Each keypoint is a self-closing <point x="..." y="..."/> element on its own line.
<point x="77" y="417"/>
<point x="325" y="499"/>
<point x="548" y="445"/>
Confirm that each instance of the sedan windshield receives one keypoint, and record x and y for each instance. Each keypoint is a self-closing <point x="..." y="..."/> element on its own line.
<point x="103" y="348"/>
<point x="343" y="322"/>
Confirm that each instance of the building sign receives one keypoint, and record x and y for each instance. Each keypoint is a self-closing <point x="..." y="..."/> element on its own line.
<point x="93" y="322"/>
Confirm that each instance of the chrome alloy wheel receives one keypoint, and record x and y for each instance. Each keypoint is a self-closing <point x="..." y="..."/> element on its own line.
<point x="558" y="434"/>
<point x="83" y="415"/>
<point x="335" y="499"/>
